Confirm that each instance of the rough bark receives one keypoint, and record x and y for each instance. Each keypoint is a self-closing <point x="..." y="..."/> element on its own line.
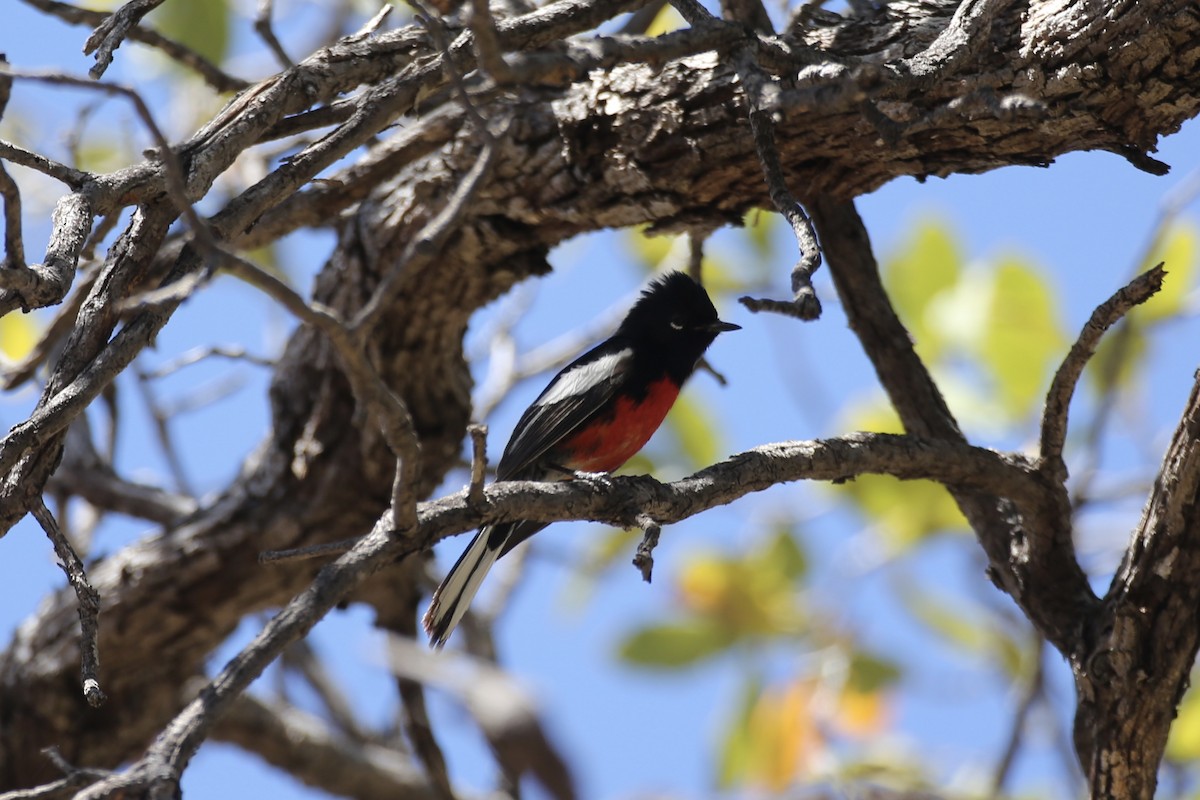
<point x="601" y="136"/>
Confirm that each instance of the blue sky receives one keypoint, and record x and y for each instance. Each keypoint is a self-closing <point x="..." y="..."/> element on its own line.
<point x="632" y="733"/>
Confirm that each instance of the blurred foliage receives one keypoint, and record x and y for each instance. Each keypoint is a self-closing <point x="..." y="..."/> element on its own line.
<point x="667" y="20"/>
<point x="202" y="26"/>
<point x="18" y="335"/>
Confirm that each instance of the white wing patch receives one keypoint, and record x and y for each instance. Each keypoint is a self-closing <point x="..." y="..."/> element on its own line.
<point x="581" y="379"/>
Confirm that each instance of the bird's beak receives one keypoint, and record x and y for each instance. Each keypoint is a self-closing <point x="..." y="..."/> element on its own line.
<point x="721" y="327"/>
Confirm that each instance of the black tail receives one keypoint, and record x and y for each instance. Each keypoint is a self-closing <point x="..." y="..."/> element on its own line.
<point x="453" y="597"/>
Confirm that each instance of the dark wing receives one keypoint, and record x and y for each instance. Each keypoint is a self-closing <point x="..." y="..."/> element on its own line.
<point x="574" y="396"/>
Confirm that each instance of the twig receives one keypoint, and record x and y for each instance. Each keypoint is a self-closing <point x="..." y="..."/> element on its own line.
<point x="162" y="431"/>
<point x="174" y="179"/>
<point x="695" y="266"/>
<point x="1062" y="388"/>
<point x="198" y="354"/>
<point x="88" y="599"/>
<point x="72" y="177"/>
<point x="1030" y="693"/>
<point x="301" y="659"/>
<point x="40" y="285"/>
<point x="311" y="551"/>
<point x="262" y="26"/>
<point x="66" y="786"/>
<point x="478" y="434"/>
<point x="757" y="88"/>
<point x="487" y="42"/>
<point x="644" y="558"/>
<point x="211" y="73"/>
<point x="14" y="246"/>
<point x="109" y="34"/>
<point x="308" y="748"/>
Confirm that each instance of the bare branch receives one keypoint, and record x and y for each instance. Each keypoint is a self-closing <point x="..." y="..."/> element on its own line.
<point x="262" y="26"/>
<point x="88" y="599"/>
<point x="109" y="34"/>
<point x="1058" y="399"/>
<point x="61" y="172"/>
<point x="629" y="501"/>
<point x="758" y="90"/>
<point x="211" y="73"/>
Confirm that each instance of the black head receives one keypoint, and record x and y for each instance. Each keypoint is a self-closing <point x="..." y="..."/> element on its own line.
<point x="675" y="317"/>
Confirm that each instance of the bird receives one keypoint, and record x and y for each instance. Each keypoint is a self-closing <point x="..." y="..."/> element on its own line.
<point x="592" y="417"/>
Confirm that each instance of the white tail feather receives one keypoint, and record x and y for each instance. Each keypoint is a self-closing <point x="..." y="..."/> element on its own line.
<point x="451" y="599"/>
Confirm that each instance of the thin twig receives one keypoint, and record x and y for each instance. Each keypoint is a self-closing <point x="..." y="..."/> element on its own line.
<point x="1062" y="388"/>
<point x="758" y="88"/>
<point x="305" y="553"/>
<point x="174" y="179"/>
<point x="213" y="75"/>
<point x="262" y="26"/>
<point x="198" y="354"/>
<point x="644" y="558"/>
<point x="72" y="177"/>
<point x="109" y="34"/>
<point x="162" y="430"/>
<point x="73" y="779"/>
<point x="487" y="42"/>
<point x="87" y="597"/>
<point x="1032" y="691"/>
<point x="478" y="434"/>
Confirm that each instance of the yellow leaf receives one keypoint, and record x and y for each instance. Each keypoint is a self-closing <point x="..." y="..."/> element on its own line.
<point x="18" y="335"/>
<point x="667" y="20"/>
<point x="1183" y="744"/>
<point x="861" y="714"/>
<point x="1023" y="339"/>
<point x="786" y="738"/>
<point x="1178" y="252"/>
<point x="926" y="265"/>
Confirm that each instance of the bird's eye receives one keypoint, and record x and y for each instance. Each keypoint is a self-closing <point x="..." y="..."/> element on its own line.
<point x="676" y="324"/>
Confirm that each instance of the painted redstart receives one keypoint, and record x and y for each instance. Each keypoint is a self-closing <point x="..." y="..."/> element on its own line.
<point x="596" y="413"/>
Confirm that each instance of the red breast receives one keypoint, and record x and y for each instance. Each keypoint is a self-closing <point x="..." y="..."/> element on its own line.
<point x="610" y="440"/>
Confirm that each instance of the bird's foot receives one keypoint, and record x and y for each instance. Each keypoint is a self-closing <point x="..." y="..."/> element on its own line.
<point x="596" y="480"/>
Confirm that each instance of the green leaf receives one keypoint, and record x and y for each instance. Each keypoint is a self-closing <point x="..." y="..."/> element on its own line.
<point x="1022" y="339"/>
<point x="870" y="673"/>
<point x="786" y="554"/>
<point x="1178" y="252"/>
<point x="676" y="644"/>
<point x="904" y="512"/>
<point x="972" y="631"/>
<point x="926" y="265"/>
<point x="202" y="26"/>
